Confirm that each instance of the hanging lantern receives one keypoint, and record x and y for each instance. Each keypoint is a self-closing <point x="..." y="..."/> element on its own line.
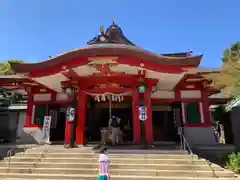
<point x="141" y="88"/>
<point x="69" y="90"/>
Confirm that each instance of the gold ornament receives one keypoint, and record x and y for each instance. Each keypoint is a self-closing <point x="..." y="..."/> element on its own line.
<point x="101" y="29"/>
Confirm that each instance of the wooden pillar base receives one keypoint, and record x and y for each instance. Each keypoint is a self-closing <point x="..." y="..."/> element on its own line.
<point x="69" y="141"/>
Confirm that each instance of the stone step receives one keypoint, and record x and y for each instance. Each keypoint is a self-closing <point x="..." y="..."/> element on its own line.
<point x="114" y="160"/>
<point x="39" y="176"/>
<point x="112" y="166"/>
<point x="124" y="151"/>
<point x="119" y="171"/>
<point x="111" y="155"/>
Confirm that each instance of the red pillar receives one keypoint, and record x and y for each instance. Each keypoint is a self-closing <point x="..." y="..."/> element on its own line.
<point x="29" y="108"/>
<point x="67" y="132"/>
<point x="148" y="121"/>
<point x="206" y="112"/>
<point x="81" y="118"/>
<point x="70" y="126"/>
<point x="135" y="114"/>
<point x="69" y="129"/>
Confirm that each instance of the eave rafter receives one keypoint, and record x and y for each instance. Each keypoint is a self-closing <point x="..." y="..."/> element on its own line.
<point x="70" y="74"/>
<point x="24" y="84"/>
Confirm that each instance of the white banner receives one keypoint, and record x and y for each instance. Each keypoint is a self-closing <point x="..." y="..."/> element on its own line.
<point x="46" y="129"/>
<point x="142" y="113"/>
<point x="70" y="114"/>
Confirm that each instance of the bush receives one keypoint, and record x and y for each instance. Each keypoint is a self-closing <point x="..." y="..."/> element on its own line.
<point x="233" y="162"/>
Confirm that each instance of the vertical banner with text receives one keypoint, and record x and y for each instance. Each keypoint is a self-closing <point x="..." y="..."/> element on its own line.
<point x="142" y="113"/>
<point x="71" y="113"/>
<point x="46" y="129"/>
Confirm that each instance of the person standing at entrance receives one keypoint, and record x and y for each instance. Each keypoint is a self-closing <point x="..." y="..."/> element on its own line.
<point x="104" y="135"/>
<point x="114" y="128"/>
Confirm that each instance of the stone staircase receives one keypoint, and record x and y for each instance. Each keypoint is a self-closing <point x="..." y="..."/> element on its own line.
<point x="55" y="162"/>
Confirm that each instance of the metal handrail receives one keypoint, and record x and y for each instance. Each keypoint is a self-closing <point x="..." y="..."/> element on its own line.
<point x="9" y="155"/>
<point x="8" y="159"/>
<point x="185" y="145"/>
<point x="40" y="159"/>
<point x="212" y="169"/>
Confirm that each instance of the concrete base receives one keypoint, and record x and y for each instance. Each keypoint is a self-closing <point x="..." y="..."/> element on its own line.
<point x="199" y="136"/>
<point x="31" y="135"/>
<point x="215" y="153"/>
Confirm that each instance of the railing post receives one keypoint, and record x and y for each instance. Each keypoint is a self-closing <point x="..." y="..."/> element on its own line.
<point x="181" y="141"/>
<point x="181" y="137"/>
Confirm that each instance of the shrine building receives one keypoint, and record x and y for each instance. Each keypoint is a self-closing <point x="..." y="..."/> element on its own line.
<point x="113" y="76"/>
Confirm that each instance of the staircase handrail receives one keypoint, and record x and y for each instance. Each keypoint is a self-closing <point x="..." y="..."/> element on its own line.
<point x="184" y="144"/>
<point x="8" y="159"/>
<point x="9" y="155"/>
<point x="41" y="156"/>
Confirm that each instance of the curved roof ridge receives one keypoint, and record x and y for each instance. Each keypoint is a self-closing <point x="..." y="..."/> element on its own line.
<point x="104" y="45"/>
<point x="108" y="49"/>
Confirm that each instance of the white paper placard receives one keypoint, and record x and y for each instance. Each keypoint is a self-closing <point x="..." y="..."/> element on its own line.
<point x="70" y="114"/>
<point x="142" y="113"/>
<point x="46" y="129"/>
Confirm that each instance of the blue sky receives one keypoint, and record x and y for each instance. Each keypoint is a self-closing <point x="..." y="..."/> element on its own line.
<point x="34" y="29"/>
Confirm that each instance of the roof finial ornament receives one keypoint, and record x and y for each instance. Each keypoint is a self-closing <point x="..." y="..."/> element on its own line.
<point x="113" y="21"/>
<point x="102" y="29"/>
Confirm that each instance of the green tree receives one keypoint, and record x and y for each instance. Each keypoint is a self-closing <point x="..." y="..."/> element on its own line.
<point x="6" y="97"/>
<point x="5" y="68"/>
<point x="229" y="77"/>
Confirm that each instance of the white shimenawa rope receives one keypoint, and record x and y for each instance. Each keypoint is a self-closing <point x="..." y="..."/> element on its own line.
<point x="102" y="97"/>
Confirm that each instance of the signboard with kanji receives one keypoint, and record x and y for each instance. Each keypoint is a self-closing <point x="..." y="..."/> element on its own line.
<point x="142" y="113"/>
<point x="46" y="129"/>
